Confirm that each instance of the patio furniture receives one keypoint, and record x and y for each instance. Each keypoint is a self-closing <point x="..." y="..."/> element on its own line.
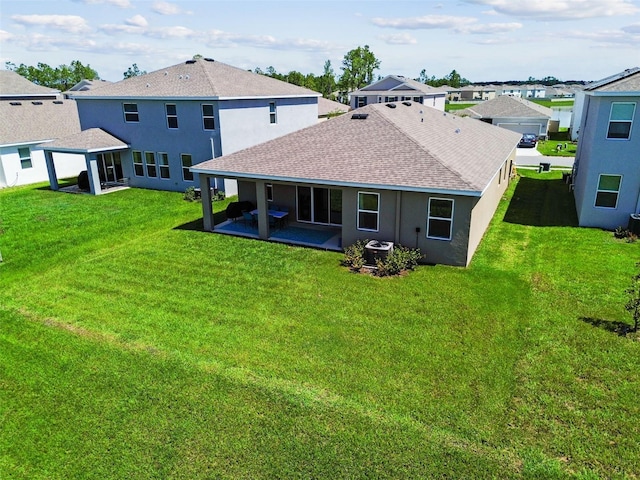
<point x="234" y="209"/>
<point x="275" y="217"/>
<point x="249" y="218"/>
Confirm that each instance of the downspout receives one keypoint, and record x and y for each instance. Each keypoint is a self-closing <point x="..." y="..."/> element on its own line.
<point x="398" y="213"/>
<point x="213" y="155"/>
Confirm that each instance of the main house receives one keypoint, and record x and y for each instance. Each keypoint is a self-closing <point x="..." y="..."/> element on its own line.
<point x="396" y="88"/>
<point x="606" y="171"/>
<point x="31" y="114"/>
<point x="513" y="113"/>
<point x="398" y="172"/>
<point x="146" y="131"/>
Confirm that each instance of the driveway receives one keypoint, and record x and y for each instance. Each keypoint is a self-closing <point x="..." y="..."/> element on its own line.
<point x="531" y="156"/>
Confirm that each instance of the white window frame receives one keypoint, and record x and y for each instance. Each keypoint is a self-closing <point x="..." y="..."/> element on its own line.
<point x="185" y="168"/>
<point x="361" y="102"/>
<point x="150" y="156"/>
<point x="630" y="122"/>
<point x="137" y="153"/>
<point x="207" y="117"/>
<point x="25" y="160"/>
<point x="598" y="190"/>
<point x="269" y="188"/>
<point x="171" y="116"/>
<point x="450" y="220"/>
<point x="163" y="165"/>
<point x="129" y="115"/>
<point x="273" y="113"/>
<point x="362" y="210"/>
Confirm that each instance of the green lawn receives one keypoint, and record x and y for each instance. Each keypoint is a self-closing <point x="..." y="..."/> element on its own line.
<point x="133" y="345"/>
<point x="550" y="148"/>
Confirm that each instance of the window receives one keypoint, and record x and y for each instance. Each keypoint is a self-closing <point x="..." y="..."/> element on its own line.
<point x="272" y="113"/>
<point x="368" y="208"/>
<point x="187" y="175"/>
<point x="620" y="120"/>
<point x="390" y="99"/>
<point x="269" y="192"/>
<point x="130" y="112"/>
<point x="150" y="162"/>
<point x="608" y="189"/>
<point x="138" y="167"/>
<point x="440" y="218"/>
<point x="172" y="115"/>
<point x="207" y="117"/>
<point x="25" y="157"/>
<point x="319" y="205"/>
<point x="362" y="101"/>
<point x="163" y="161"/>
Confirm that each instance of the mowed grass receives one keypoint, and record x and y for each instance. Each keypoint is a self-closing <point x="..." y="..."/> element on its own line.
<point x="133" y="345"/>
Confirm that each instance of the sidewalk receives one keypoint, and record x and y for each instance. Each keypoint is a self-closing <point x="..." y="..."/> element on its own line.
<point x="531" y="156"/>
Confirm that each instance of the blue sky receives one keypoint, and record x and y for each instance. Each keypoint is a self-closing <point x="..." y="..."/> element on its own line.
<point x="483" y="40"/>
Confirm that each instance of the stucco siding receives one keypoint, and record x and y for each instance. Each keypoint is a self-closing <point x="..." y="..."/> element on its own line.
<point x="12" y="173"/>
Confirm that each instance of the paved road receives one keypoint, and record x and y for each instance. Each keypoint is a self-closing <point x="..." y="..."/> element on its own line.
<point x="531" y="156"/>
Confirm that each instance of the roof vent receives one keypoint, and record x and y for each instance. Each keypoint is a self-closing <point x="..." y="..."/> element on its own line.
<point x="37" y="103"/>
<point x="408" y="104"/>
<point x="359" y="116"/>
<point x="209" y="60"/>
<point x="391" y="105"/>
<point x="148" y="85"/>
<point x="190" y="62"/>
<point x="58" y="102"/>
<point x="187" y="77"/>
<point x="180" y="77"/>
<point x="166" y="73"/>
<point x="15" y="103"/>
<point x="457" y="130"/>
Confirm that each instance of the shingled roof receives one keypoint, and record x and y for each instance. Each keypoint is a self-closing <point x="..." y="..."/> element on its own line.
<point x="87" y="141"/>
<point x="627" y="81"/>
<point x="408" y="147"/>
<point x="28" y="121"/>
<point x="404" y="85"/>
<point x="506" y="106"/>
<point x="14" y="85"/>
<point x="201" y="78"/>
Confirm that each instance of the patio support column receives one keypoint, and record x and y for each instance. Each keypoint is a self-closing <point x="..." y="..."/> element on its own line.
<point x="51" y="170"/>
<point x="263" y="209"/>
<point x="396" y="239"/>
<point x="207" y="209"/>
<point x="94" y="175"/>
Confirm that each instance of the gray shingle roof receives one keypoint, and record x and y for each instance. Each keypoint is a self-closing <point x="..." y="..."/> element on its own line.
<point x="627" y="81"/>
<point x="404" y="85"/>
<point x="326" y="107"/>
<point x="44" y="120"/>
<point x="200" y="78"/>
<point x="408" y="147"/>
<point x="12" y="84"/>
<point x="507" y="106"/>
<point x="90" y="140"/>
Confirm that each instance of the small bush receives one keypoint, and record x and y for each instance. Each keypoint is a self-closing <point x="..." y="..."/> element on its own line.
<point x="190" y="194"/>
<point x="219" y="196"/>
<point x="621" y="232"/>
<point x="401" y="259"/>
<point x="632" y="237"/>
<point x="354" y="255"/>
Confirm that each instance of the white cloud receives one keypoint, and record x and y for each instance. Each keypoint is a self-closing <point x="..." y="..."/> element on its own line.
<point x="170" y="32"/>
<point x="491" y="28"/>
<point x="6" y="36"/>
<point x="398" y="39"/>
<point x="219" y="38"/>
<point x="608" y="38"/>
<point x="114" y="29"/>
<point x="137" y="21"/>
<point x="425" y="22"/>
<point x="634" y="28"/>
<point x="115" y="3"/>
<point x="560" y="9"/>
<point x="166" y="8"/>
<point x="67" y="23"/>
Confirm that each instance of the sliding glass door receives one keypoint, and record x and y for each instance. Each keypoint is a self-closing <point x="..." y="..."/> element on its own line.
<point x="319" y="205"/>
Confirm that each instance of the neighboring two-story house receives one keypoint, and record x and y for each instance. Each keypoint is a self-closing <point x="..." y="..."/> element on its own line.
<point x="606" y="172"/>
<point x="146" y="131"/>
<point x="396" y="88"/>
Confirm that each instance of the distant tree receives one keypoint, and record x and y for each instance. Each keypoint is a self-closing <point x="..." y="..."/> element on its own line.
<point x="134" y="71"/>
<point x="326" y="84"/>
<point x="455" y="80"/>
<point x="62" y="77"/>
<point x="633" y="304"/>
<point x="358" y="66"/>
<point x="295" y="78"/>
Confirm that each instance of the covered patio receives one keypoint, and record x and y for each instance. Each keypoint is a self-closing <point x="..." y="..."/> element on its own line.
<point x="102" y="156"/>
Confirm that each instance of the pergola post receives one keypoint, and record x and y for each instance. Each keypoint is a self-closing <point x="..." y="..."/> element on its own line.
<point x="94" y="175"/>
<point x="207" y="209"/>
<point x="51" y="170"/>
<point x="263" y="210"/>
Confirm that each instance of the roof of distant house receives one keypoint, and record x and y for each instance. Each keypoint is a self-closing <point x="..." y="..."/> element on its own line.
<point x="404" y="84"/>
<point x="627" y="81"/>
<point x="29" y="121"/>
<point x="202" y="78"/>
<point x="506" y="106"/>
<point x="326" y="106"/>
<point x="85" y="84"/>
<point x="13" y="84"/>
<point x="405" y="147"/>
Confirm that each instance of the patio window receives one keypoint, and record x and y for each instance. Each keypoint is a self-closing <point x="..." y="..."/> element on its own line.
<point x="163" y="161"/>
<point x="269" y="192"/>
<point x="25" y="157"/>
<point x="440" y="218"/>
<point x="319" y="205"/>
<point x="172" y="115"/>
<point x="150" y="162"/>
<point x="130" y="112"/>
<point x="368" y="211"/>
<point x="138" y="167"/>
<point x="620" y="120"/>
<point x="272" y="113"/>
<point x="608" y="190"/>
<point x="208" y="122"/>
<point x="187" y="175"/>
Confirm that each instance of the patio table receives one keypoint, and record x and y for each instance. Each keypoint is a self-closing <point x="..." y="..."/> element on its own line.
<point x="279" y="215"/>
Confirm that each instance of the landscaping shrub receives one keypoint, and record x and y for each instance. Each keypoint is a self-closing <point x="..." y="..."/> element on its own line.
<point x="354" y="255"/>
<point x="190" y="194"/>
<point x="400" y="259"/>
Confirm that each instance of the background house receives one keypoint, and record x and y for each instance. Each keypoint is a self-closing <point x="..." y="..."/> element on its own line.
<point x="184" y="114"/>
<point x="30" y="115"/>
<point x="606" y="172"/>
<point x="513" y="113"/>
<point x="396" y="88"/>
<point x="418" y="177"/>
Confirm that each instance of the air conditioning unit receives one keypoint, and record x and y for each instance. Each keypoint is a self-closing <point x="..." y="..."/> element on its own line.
<point x="376" y="250"/>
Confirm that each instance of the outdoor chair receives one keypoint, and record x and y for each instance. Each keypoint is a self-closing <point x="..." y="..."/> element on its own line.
<point x="248" y="218"/>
